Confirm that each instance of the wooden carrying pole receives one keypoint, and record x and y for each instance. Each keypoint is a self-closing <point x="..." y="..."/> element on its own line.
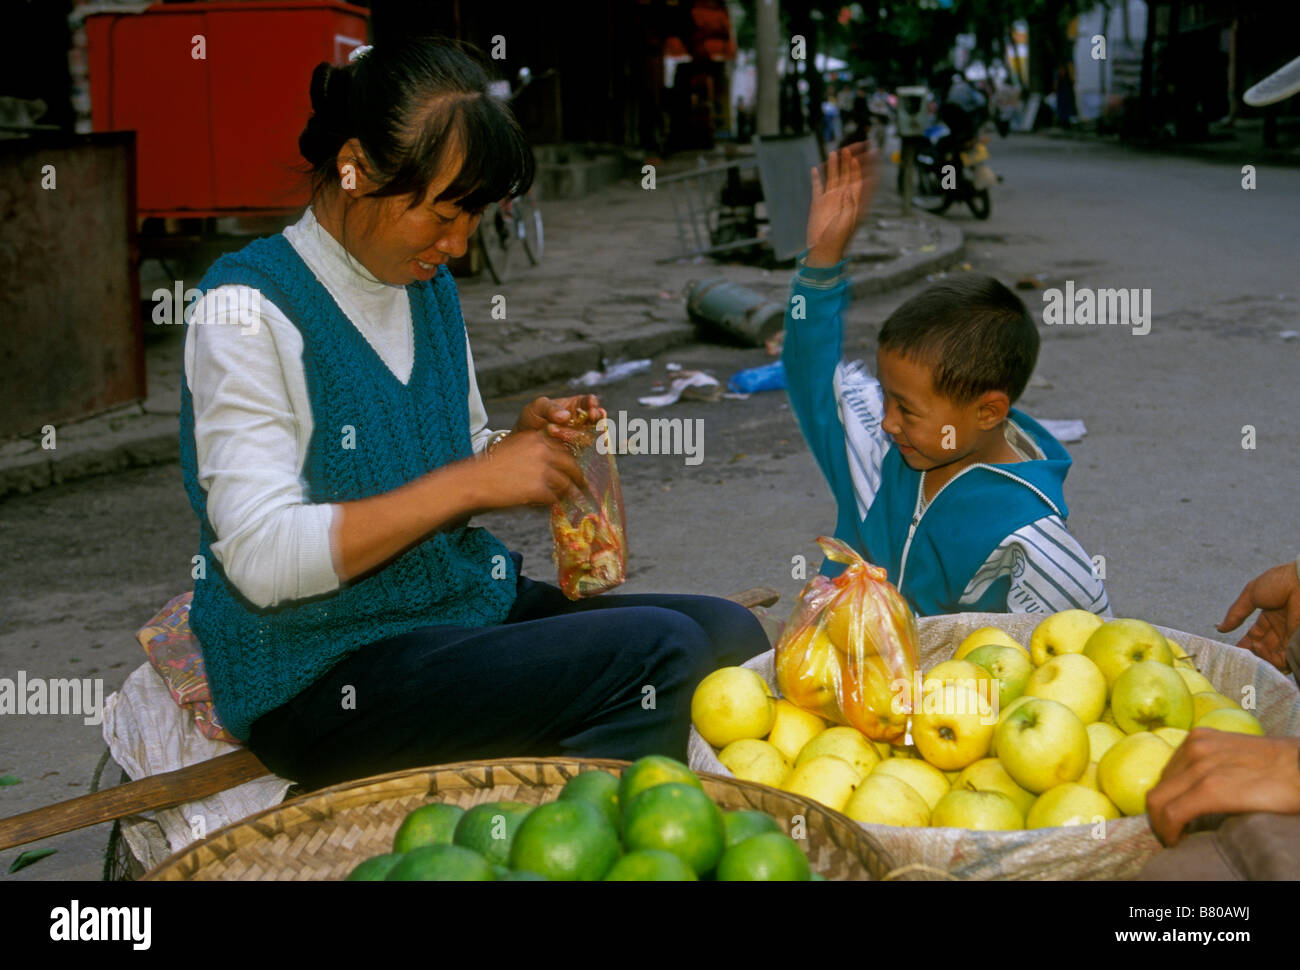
<point x="167" y="790"/>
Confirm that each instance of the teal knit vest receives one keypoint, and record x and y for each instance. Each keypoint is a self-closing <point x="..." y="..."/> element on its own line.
<point x="370" y="434"/>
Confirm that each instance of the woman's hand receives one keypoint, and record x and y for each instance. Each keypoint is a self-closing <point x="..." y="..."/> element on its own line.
<point x="526" y="468"/>
<point x="840" y="201"/>
<point x="1215" y="771"/>
<point x="1276" y="593"/>
<point x="552" y="416"/>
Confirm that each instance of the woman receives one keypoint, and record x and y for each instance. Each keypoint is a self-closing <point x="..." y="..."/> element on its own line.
<point x="334" y="447"/>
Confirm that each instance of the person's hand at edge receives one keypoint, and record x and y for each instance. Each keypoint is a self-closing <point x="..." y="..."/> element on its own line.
<point x="1215" y="772"/>
<point x="1276" y="594"/>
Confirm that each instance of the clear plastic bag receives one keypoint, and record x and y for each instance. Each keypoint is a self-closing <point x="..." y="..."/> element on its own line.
<point x="590" y="528"/>
<point x="849" y="651"/>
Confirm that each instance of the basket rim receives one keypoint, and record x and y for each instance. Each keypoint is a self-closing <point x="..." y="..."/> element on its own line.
<point x="861" y="836"/>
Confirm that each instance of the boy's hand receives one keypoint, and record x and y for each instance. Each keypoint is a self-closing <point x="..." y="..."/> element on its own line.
<point x="840" y="201"/>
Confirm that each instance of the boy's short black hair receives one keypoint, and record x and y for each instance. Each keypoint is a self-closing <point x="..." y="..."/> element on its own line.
<point x="974" y="332"/>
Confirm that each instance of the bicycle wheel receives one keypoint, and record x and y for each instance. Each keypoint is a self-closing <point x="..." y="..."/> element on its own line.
<point x="494" y="231"/>
<point x="528" y="219"/>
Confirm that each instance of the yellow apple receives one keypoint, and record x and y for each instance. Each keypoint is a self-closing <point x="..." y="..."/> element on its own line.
<point x="1196" y="682"/>
<point x="929" y="782"/>
<point x="828" y="779"/>
<point x="1207" y="701"/>
<point x="730" y="704"/>
<point x="792" y="728"/>
<point x="1150" y="694"/>
<point x="1181" y="657"/>
<point x="1042" y="743"/>
<point x="843" y="742"/>
<point x="1100" y="738"/>
<point x="1002" y="716"/>
<point x="956" y="672"/>
<point x="1075" y="681"/>
<point x="1118" y="643"/>
<point x="752" y="760"/>
<point x="1010" y="667"/>
<point x="1131" y="769"/>
<point x="986" y="635"/>
<point x="1089" y="777"/>
<point x="884" y="800"/>
<point x="810" y="673"/>
<point x="953" y="727"/>
<point x="1070" y="804"/>
<point x="988" y="774"/>
<point x="1108" y="717"/>
<point x="950" y="775"/>
<point x="883" y="748"/>
<point x="1063" y="632"/>
<point x="984" y="811"/>
<point x="1232" y="719"/>
<point x="1171" y="736"/>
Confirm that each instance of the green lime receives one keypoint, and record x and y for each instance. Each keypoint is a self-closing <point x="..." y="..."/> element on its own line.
<point x="376" y="868"/>
<point x="598" y="787"/>
<point x="743" y="824"/>
<point x="428" y="825"/>
<point x="650" y="865"/>
<point x="565" y="840"/>
<point x="441" y="863"/>
<point x="655" y="769"/>
<point x="679" y="819"/>
<point x="770" y="857"/>
<point x="490" y="828"/>
<point x="817" y="877"/>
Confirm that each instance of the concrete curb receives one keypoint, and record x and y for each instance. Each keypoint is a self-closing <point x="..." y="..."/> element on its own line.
<point x="137" y="438"/>
<point x="908" y="268"/>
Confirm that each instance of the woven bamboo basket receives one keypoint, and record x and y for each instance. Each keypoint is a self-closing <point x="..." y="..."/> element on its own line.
<point x="324" y="835"/>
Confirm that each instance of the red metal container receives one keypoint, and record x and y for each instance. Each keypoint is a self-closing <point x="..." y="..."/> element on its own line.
<point x="217" y="94"/>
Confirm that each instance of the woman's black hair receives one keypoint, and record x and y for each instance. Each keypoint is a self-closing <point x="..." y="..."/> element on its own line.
<point x="410" y="104"/>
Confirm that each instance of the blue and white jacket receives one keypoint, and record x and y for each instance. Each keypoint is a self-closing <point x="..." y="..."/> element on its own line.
<point x="993" y="539"/>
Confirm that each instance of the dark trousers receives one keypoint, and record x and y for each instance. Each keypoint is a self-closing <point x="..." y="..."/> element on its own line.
<point x="608" y="677"/>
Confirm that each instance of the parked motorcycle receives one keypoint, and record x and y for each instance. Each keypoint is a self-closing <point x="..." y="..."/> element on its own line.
<point x="939" y="183"/>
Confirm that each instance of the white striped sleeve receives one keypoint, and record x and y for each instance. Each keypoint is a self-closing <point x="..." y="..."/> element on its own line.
<point x="862" y="409"/>
<point x="1048" y="569"/>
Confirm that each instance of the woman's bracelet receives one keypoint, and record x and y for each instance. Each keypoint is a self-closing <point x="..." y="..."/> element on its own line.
<point x="495" y="439"/>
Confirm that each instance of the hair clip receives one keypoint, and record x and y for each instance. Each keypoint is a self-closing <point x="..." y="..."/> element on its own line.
<point x="359" y="52"/>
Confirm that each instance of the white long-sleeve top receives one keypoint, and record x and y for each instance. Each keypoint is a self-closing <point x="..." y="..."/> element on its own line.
<point x="253" y="418"/>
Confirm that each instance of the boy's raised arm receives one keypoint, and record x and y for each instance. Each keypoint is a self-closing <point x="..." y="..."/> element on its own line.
<point x="814" y="313"/>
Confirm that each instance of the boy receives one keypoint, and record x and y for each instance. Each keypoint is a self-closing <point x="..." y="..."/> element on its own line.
<point x="936" y="477"/>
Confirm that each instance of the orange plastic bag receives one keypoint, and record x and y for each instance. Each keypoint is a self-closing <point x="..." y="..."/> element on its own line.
<point x="590" y="529"/>
<point x="849" y="651"/>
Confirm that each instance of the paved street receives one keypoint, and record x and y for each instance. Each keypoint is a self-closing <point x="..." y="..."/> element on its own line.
<point x="1161" y="485"/>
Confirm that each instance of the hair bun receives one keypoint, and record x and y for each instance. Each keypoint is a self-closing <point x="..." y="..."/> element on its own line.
<point x="320" y="79"/>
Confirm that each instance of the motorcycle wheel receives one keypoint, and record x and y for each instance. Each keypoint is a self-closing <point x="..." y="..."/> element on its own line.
<point x="980" y="204"/>
<point x="930" y="194"/>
